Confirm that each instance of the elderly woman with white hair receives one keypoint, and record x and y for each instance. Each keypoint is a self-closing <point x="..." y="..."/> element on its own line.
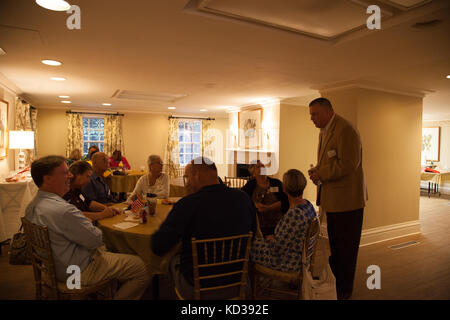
<point x="283" y="250"/>
<point x="155" y="182"/>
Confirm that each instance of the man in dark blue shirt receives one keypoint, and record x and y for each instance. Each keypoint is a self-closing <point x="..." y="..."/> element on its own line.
<point x="211" y="210"/>
<point x="97" y="189"/>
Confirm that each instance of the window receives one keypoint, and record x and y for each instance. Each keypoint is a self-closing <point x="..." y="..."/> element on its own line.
<point x="189" y="140"/>
<point x="93" y="133"/>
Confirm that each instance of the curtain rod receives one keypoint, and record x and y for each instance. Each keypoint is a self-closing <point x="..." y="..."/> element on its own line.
<point x="194" y="118"/>
<point x="106" y="114"/>
<point x="31" y="107"/>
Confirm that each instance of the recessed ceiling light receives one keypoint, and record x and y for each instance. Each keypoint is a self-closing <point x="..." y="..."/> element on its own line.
<point x="448" y="76"/>
<point x="203" y="110"/>
<point x="58" y="78"/>
<point x="106" y="104"/>
<point x="66" y="101"/>
<point x="51" y="62"/>
<point x="171" y="108"/>
<point x="64" y="97"/>
<point x="55" y="5"/>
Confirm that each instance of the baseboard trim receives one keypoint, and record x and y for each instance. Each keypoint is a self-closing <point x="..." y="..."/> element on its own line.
<point x="384" y="233"/>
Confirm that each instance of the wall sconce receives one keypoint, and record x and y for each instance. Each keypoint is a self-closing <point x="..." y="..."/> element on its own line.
<point x="21" y="140"/>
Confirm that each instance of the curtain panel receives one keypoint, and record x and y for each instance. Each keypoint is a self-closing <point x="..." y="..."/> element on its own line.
<point x="25" y="119"/>
<point x="172" y="158"/>
<point x="113" y="135"/>
<point x="208" y="139"/>
<point x="74" y="133"/>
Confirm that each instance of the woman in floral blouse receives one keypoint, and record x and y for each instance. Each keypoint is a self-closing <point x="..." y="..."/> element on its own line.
<point x="283" y="250"/>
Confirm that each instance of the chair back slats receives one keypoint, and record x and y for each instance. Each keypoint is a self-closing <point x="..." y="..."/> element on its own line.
<point x="293" y="278"/>
<point x="310" y="242"/>
<point x="47" y="287"/>
<point x="236" y="182"/>
<point x="219" y="259"/>
<point x="38" y="244"/>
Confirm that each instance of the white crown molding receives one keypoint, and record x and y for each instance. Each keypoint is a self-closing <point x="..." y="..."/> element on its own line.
<point x="128" y="111"/>
<point x="371" y="85"/>
<point x="9" y="86"/>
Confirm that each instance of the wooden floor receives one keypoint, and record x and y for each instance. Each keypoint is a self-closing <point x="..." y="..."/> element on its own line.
<point x="419" y="272"/>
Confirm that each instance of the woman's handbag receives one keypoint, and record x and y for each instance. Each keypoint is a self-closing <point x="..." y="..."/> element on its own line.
<point x="18" y="249"/>
<point x="323" y="288"/>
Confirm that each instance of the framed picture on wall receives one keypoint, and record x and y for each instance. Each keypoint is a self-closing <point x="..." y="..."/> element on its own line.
<point x="3" y="129"/>
<point x="430" y="143"/>
<point x="250" y="128"/>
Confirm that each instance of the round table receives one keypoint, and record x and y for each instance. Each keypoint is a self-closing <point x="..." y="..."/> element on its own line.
<point x="137" y="240"/>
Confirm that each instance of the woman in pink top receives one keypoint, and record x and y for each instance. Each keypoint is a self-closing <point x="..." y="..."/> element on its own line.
<point x="117" y="161"/>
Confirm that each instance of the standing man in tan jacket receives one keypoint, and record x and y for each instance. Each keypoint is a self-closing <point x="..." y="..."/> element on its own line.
<point x="340" y="190"/>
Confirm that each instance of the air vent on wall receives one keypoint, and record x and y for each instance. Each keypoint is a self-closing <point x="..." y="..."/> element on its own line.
<point x="147" y="96"/>
<point x="425" y="24"/>
<point x="404" y="245"/>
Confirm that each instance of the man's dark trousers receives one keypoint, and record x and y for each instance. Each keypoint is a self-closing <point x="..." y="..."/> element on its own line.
<point x="344" y="234"/>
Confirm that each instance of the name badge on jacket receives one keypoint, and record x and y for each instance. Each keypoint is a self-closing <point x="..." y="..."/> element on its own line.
<point x="331" y="153"/>
<point x="273" y="189"/>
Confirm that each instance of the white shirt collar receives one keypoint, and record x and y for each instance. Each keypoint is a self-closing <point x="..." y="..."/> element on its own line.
<point x="325" y="129"/>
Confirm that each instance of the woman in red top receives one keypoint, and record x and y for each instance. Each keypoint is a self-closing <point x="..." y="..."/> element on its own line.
<point x="116" y="160"/>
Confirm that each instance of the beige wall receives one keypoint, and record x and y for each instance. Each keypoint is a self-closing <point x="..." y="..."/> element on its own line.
<point x="390" y="126"/>
<point x="52" y="132"/>
<point x="143" y="134"/>
<point x="298" y="144"/>
<point x="7" y="165"/>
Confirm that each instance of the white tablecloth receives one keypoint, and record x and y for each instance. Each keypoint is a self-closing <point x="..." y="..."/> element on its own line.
<point x="14" y="198"/>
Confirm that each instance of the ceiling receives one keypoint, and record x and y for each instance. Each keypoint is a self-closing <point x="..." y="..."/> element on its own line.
<point x="144" y="56"/>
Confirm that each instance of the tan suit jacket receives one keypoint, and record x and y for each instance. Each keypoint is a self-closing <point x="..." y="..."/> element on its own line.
<point x="340" y="168"/>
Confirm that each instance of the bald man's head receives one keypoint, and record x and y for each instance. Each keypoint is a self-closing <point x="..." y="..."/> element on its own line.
<point x="199" y="173"/>
<point x="100" y="162"/>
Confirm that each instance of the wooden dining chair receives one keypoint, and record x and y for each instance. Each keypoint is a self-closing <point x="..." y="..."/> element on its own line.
<point x="268" y="280"/>
<point x="220" y="267"/>
<point x="47" y="287"/>
<point x="236" y="182"/>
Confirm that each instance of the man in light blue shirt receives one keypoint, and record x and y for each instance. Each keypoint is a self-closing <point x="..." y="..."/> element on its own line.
<point x="73" y="238"/>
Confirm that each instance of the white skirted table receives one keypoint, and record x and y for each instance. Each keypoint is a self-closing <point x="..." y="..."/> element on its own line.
<point x="14" y="198"/>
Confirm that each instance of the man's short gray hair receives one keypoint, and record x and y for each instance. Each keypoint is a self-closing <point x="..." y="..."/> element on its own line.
<point x="153" y="159"/>
<point x="322" y="102"/>
<point x="294" y="183"/>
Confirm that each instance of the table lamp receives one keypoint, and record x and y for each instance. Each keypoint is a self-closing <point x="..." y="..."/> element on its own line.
<point x="21" y="140"/>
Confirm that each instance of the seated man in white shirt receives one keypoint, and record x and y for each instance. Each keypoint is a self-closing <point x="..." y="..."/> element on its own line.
<point x="73" y="239"/>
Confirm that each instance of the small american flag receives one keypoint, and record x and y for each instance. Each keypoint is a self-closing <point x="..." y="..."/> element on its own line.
<point x="137" y="205"/>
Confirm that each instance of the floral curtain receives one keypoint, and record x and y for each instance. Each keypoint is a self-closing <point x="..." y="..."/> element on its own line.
<point x="74" y="133"/>
<point x="208" y="139"/>
<point x="113" y="135"/>
<point x="172" y="158"/>
<point x="33" y="120"/>
<point x="25" y="119"/>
